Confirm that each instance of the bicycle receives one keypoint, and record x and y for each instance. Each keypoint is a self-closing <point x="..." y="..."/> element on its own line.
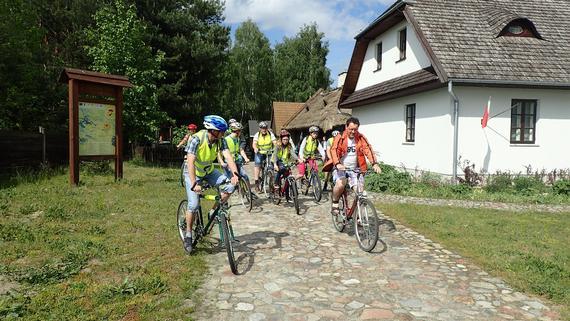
<point x="220" y="216"/>
<point x="265" y="183"/>
<point x="244" y="191"/>
<point x="313" y="180"/>
<point x="362" y="213"/>
<point x="288" y="189"/>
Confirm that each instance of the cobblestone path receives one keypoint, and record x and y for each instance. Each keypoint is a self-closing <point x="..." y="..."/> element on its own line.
<point x="299" y="268"/>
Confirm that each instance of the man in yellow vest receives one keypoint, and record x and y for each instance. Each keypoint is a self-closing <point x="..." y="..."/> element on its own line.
<point x="263" y="142"/>
<point x="236" y="145"/>
<point x="310" y="150"/>
<point x="202" y="151"/>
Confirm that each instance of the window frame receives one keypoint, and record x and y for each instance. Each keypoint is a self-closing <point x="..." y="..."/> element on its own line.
<point x="402" y="43"/>
<point x="523" y="126"/>
<point x="379" y="56"/>
<point x="410" y="121"/>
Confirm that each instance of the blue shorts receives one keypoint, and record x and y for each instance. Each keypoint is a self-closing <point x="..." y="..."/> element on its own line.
<point x="240" y="169"/>
<point x="259" y="158"/>
<point x="215" y="178"/>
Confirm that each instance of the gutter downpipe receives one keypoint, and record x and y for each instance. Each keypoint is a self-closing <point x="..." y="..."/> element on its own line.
<point x="455" y="129"/>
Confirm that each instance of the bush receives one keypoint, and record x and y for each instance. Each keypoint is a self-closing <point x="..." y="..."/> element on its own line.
<point x="561" y="187"/>
<point x="461" y="189"/>
<point x="97" y="168"/>
<point x="431" y="179"/>
<point x="501" y="182"/>
<point x="527" y="185"/>
<point x="391" y="180"/>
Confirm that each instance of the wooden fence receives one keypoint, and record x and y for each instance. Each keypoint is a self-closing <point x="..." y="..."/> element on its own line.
<point x="26" y="150"/>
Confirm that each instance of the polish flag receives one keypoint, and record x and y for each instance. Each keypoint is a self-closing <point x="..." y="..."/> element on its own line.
<point x="485" y="118"/>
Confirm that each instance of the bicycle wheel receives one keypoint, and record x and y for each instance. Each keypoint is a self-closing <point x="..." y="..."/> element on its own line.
<point x="245" y="194"/>
<point x="338" y="221"/>
<point x="316" y="184"/>
<point x="228" y="242"/>
<point x="275" y="196"/>
<point x="267" y="183"/>
<point x="294" y="193"/>
<point x="366" y="225"/>
<point x="181" y="218"/>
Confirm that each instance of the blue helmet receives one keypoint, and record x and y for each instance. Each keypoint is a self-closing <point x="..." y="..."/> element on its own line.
<point x="215" y="122"/>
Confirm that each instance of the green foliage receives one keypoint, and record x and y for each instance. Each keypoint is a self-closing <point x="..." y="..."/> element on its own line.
<point x="431" y="179"/>
<point x="118" y="47"/>
<point x="528" y="185"/>
<point x="461" y="189"/>
<point x="300" y="65"/>
<point x="501" y="182"/>
<point x="561" y="187"/>
<point x="149" y="284"/>
<point x="391" y="180"/>
<point x="97" y="167"/>
<point x="249" y="75"/>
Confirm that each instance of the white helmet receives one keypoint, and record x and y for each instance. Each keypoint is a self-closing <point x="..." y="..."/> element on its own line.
<point x="313" y="129"/>
<point x="235" y="126"/>
<point x="335" y="132"/>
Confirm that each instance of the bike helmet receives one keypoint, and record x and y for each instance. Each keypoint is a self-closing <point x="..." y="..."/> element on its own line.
<point x="262" y="124"/>
<point x="284" y="133"/>
<point x="235" y="126"/>
<point x="335" y="132"/>
<point x="192" y="127"/>
<point x="232" y="120"/>
<point x="215" y="122"/>
<point x="313" y="129"/>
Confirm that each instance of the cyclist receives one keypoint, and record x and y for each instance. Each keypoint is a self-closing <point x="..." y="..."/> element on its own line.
<point x="282" y="155"/>
<point x="263" y="142"/>
<point x="308" y="151"/>
<point x="349" y="152"/>
<point x="202" y="150"/>
<point x="191" y="131"/>
<point x="236" y="145"/>
<point x="230" y="122"/>
<point x="328" y="148"/>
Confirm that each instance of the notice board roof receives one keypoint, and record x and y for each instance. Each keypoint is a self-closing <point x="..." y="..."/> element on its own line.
<point x="94" y="77"/>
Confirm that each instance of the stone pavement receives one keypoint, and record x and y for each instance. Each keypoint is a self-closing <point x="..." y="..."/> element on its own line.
<point x="300" y="268"/>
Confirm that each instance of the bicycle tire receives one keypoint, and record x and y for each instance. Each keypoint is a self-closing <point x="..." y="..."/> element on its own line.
<point x="317" y="189"/>
<point x="276" y="196"/>
<point x="267" y="183"/>
<point x="181" y="218"/>
<point x="294" y="192"/>
<point x="228" y="242"/>
<point x="245" y="193"/>
<point x="337" y="220"/>
<point x="366" y="224"/>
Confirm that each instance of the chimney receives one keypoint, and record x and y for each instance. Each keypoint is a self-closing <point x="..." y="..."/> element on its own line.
<point x="341" y="78"/>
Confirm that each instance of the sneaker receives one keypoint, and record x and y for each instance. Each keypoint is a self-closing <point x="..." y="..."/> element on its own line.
<point x="188" y="245"/>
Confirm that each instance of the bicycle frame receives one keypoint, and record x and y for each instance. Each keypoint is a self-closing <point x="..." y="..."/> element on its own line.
<point x="213" y="219"/>
<point x="357" y="197"/>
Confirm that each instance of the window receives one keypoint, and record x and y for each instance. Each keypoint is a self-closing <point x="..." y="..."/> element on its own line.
<point x="520" y="28"/>
<point x="402" y="44"/>
<point x="523" y="121"/>
<point x="379" y="56"/>
<point x="411" y="123"/>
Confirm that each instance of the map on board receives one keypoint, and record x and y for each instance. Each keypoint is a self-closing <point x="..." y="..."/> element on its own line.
<point x="96" y="129"/>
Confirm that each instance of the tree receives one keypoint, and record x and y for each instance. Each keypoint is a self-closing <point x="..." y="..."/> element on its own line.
<point x="191" y="34"/>
<point x="249" y="75"/>
<point x="117" y="47"/>
<point x="300" y="65"/>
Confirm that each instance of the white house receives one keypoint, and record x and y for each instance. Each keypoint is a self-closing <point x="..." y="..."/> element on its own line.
<point x="421" y="75"/>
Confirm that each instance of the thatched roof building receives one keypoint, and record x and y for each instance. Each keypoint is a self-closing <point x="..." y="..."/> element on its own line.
<point x="320" y="110"/>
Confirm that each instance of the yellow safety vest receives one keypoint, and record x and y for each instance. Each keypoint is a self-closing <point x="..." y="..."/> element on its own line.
<point x="283" y="154"/>
<point x="264" y="143"/>
<point x="310" y="147"/>
<point x="233" y="146"/>
<point x="205" y="155"/>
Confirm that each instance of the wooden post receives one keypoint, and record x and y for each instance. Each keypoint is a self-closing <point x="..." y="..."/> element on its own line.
<point x="73" y="132"/>
<point x="119" y="133"/>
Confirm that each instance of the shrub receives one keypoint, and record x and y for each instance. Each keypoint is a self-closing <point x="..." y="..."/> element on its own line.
<point x="527" y="185"/>
<point x="97" y="168"/>
<point x="431" y="179"/>
<point x="501" y="182"/>
<point x="391" y="180"/>
<point x="561" y="187"/>
<point x="461" y="189"/>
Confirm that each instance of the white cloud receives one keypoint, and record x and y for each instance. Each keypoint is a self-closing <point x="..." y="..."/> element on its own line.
<point x="338" y="19"/>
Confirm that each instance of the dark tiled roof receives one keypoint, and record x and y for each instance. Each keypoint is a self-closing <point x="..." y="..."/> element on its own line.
<point x="463" y="36"/>
<point x="410" y="80"/>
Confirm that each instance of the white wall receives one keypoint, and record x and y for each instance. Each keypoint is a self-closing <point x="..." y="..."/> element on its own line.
<point x="384" y="125"/>
<point x="490" y="148"/>
<point x="416" y="58"/>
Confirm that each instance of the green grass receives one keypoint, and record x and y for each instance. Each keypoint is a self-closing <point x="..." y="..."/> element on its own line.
<point x="530" y="250"/>
<point x="100" y="251"/>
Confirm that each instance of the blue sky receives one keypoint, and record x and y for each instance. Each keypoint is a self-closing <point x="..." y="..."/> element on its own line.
<point x="340" y="20"/>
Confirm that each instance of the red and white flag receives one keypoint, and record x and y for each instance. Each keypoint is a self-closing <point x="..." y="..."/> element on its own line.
<point x="485" y="118"/>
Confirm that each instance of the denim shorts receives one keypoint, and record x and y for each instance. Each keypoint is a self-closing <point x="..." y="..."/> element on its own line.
<point x="215" y="178"/>
<point x="259" y="158"/>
